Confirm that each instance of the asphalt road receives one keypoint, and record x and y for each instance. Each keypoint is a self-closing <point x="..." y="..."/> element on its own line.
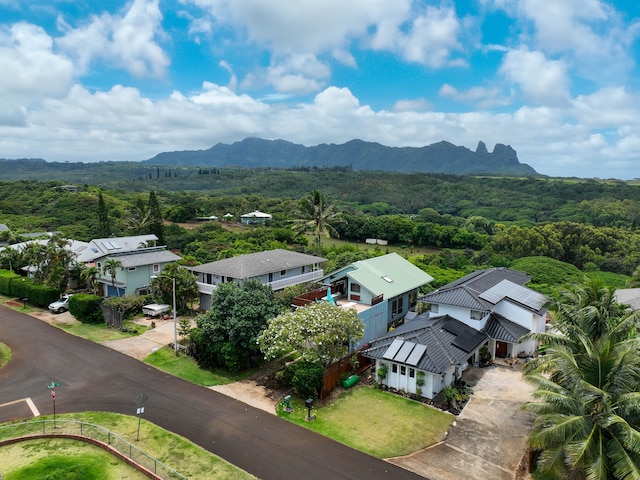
<point x="95" y="378"/>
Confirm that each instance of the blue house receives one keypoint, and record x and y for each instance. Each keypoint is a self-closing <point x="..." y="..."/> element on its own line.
<point x="139" y="256"/>
<point x="381" y="289"/>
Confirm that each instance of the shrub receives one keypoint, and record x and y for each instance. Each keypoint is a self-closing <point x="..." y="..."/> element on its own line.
<point x="129" y="305"/>
<point x="6" y="277"/>
<point x="41" y="295"/>
<point x="86" y="308"/>
<point x="306" y="377"/>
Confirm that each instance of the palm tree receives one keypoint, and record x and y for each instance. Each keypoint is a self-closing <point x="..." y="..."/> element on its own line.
<point x="317" y="216"/>
<point x="110" y="268"/>
<point x="90" y="276"/>
<point x="587" y="396"/>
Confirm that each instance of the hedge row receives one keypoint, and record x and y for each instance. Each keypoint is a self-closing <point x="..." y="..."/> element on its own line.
<point x="86" y="308"/>
<point x="16" y="286"/>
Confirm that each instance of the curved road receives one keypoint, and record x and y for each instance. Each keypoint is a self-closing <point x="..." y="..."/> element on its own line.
<point x="95" y="378"/>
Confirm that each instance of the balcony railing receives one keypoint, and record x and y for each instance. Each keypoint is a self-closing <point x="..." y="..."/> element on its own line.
<point x="208" y="289"/>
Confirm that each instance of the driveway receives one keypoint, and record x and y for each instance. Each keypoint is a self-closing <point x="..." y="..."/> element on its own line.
<point x="489" y="437"/>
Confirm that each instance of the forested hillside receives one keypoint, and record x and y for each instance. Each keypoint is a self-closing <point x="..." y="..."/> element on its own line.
<point x="471" y="222"/>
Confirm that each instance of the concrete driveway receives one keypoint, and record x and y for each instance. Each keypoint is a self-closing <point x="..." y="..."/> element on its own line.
<point x="489" y="438"/>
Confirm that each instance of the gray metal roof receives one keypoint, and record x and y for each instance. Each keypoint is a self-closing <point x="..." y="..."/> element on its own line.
<point x="148" y="257"/>
<point x="254" y="264"/>
<point x="483" y="289"/>
<point x="504" y="330"/>
<point x="100" y="247"/>
<point x="429" y="345"/>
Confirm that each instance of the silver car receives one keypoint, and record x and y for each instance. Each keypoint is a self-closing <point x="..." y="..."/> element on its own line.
<point x="60" y="305"/>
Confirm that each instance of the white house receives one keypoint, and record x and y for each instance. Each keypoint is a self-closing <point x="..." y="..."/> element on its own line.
<point x="425" y="355"/>
<point x="496" y="302"/>
<point x="255" y="218"/>
<point x="487" y="307"/>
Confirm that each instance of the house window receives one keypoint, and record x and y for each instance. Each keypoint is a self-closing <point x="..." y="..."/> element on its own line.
<point x="355" y="298"/>
<point x="394" y="368"/>
<point x="476" y="315"/>
<point x="156" y="268"/>
<point x="403" y="370"/>
<point x="131" y="269"/>
<point x="355" y="287"/>
<point x="435" y="308"/>
<point x="397" y="306"/>
<point x="413" y="299"/>
<point x="283" y="273"/>
<point x="271" y="277"/>
<point x="412" y="372"/>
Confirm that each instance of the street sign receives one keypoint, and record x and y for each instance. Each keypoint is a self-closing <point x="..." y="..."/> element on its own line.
<point x="53" y="384"/>
<point x="53" y="393"/>
<point x="140" y="399"/>
<point x="140" y="411"/>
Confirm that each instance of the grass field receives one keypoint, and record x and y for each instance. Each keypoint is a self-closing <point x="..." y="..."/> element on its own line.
<point x="172" y="450"/>
<point x="375" y="422"/>
<point x="187" y="368"/>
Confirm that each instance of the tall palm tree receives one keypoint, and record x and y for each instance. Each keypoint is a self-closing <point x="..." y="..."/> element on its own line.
<point x="587" y="396"/>
<point x="110" y="268"/>
<point x="316" y="215"/>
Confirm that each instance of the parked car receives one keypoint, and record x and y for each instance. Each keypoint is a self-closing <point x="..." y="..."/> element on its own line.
<point x="60" y="305"/>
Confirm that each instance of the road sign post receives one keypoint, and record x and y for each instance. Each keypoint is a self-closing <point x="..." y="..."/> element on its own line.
<point x="52" y="386"/>
<point x="140" y="399"/>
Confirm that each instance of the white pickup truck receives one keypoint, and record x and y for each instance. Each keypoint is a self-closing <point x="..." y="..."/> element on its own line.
<point x="155" y="309"/>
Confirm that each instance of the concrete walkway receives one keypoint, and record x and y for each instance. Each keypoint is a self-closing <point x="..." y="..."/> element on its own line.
<point x="489" y="438"/>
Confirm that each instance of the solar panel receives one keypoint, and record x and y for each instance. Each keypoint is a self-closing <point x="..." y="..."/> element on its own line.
<point x="416" y="354"/>
<point x="393" y="349"/>
<point x="515" y="292"/>
<point x="404" y="352"/>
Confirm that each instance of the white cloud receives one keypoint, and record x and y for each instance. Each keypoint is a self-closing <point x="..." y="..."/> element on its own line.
<point x="126" y="40"/>
<point x="420" y="34"/>
<point x="32" y="72"/>
<point x="585" y="33"/>
<point x="541" y="80"/>
<point x="412" y="105"/>
<point x="482" y="97"/>
<point x="293" y="74"/>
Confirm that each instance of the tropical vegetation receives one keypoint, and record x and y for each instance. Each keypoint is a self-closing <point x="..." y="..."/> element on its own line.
<point x="587" y="389"/>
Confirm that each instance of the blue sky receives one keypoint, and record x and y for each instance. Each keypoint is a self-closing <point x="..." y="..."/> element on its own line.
<point x="124" y="80"/>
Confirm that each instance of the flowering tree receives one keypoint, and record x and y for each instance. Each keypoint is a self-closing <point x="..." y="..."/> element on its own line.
<point x="321" y="332"/>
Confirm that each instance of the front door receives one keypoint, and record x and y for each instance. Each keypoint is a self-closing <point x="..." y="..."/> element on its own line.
<point x="501" y="349"/>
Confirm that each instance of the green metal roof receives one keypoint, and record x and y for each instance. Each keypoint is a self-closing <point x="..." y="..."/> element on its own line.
<point x="389" y="275"/>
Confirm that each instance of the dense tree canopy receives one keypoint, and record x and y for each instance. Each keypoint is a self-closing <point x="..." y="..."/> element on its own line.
<point x="226" y="335"/>
<point x="321" y="332"/>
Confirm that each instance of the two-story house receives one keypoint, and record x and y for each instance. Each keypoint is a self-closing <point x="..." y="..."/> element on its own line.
<point x="382" y="289"/>
<point x="496" y="302"/>
<point x="140" y="259"/>
<point x="278" y="268"/>
<point x="487" y="307"/>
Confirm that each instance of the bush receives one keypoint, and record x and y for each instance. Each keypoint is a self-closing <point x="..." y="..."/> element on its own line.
<point x="306" y="377"/>
<point x="6" y="277"/>
<point x="41" y="295"/>
<point x="86" y="308"/>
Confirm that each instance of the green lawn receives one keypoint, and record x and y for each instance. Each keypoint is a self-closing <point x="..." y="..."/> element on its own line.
<point x="100" y="332"/>
<point x="172" y="450"/>
<point x="186" y="367"/>
<point x="375" y="422"/>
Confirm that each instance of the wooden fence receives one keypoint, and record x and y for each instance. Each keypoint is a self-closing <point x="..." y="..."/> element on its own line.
<point x="334" y="371"/>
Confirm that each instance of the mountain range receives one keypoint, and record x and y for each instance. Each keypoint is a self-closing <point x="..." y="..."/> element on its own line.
<point x="441" y="157"/>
